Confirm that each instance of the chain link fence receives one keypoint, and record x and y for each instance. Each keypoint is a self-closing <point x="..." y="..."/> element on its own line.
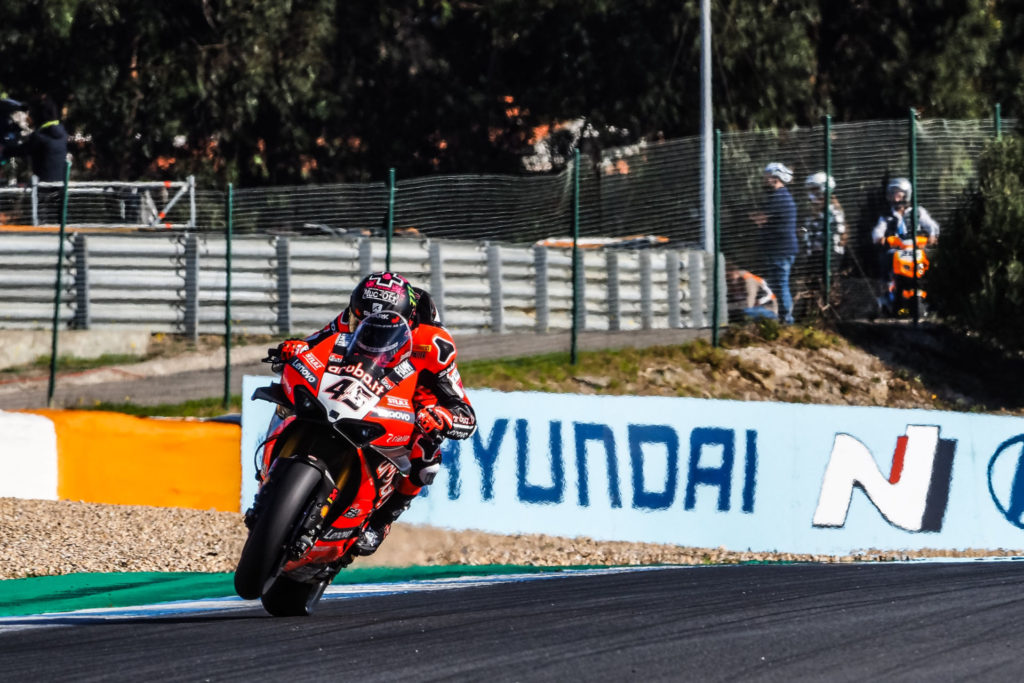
<point x="624" y="200"/>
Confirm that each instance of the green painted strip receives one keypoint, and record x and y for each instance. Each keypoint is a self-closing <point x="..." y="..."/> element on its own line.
<point x="69" y="592"/>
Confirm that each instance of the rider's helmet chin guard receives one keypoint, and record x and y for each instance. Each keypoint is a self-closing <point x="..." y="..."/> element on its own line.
<point x="384" y="338"/>
<point x="901" y="184"/>
<point x="385" y="292"/>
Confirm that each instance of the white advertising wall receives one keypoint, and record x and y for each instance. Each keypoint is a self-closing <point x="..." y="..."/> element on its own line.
<point x="742" y="475"/>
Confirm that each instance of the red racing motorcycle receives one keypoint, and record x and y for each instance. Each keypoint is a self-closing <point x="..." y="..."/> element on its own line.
<point x="345" y="413"/>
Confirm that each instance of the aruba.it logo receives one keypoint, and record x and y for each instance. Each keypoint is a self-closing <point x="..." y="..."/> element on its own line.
<point x="912" y="497"/>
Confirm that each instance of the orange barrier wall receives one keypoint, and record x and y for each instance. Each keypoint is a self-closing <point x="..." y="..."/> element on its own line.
<point x="125" y="460"/>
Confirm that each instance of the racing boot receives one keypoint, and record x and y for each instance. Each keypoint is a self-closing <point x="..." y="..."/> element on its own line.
<point x="380" y="523"/>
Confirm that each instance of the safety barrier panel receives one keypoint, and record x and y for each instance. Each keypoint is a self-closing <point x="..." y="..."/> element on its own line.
<point x="743" y="475"/>
<point x="113" y="458"/>
<point x="176" y="282"/>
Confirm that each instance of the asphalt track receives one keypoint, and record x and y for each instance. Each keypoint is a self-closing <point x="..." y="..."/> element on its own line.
<point x="917" y="621"/>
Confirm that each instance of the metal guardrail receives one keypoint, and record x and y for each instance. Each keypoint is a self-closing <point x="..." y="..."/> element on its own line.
<point x="175" y="283"/>
<point x="141" y="204"/>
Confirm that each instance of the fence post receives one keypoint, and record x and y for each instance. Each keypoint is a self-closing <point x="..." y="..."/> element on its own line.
<point x="192" y="287"/>
<point x="695" y="266"/>
<point x="998" y="116"/>
<point x="646" y="307"/>
<point x="391" y="217"/>
<point x="81" y="255"/>
<point x="283" y="272"/>
<point x="913" y="200"/>
<point x="540" y="286"/>
<point x="672" y="288"/>
<point x="35" y="199"/>
<point x="611" y="258"/>
<point x="494" y="275"/>
<point x="436" y="276"/>
<point x="827" y="212"/>
<point x="577" y="289"/>
<point x="717" y="202"/>
<point x="51" y="385"/>
<point x="227" y="295"/>
<point x="191" y="202"/>
<point x="365" y="257"/>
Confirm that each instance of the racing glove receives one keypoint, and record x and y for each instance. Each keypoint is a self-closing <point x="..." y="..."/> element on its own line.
<point x="434" y="419"/>
<point x="457" y="422"/>
<point x="291" y="348"/>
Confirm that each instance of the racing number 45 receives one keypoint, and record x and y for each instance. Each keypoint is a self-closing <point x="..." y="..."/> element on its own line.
<point x="350" y="392"/>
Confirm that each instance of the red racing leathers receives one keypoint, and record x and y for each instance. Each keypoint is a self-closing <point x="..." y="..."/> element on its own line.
<point x="440" y="401"/>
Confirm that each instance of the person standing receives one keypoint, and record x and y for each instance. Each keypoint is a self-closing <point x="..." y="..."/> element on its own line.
<point x="47" y="145"/>
<point x="778" y="224"/>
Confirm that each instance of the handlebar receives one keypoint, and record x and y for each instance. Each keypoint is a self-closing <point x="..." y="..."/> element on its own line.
<point x="274" y="359"/>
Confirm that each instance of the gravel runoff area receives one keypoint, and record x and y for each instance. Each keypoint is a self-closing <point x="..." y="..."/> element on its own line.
<point x="43" y="538"/>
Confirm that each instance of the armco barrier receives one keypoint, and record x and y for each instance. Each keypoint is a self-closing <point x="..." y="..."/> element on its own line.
<point x="743" y="475"/>
<point x="102" y="457"/>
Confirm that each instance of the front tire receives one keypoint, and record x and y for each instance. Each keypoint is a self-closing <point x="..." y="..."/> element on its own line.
<point x="264" y="552"/>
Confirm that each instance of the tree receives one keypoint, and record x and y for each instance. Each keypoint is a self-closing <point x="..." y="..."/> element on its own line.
<point x="979" y="271"/>
<point x="878" y="58"/>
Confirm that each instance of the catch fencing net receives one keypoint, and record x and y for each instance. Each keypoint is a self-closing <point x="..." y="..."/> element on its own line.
<point x="445" y="231"/>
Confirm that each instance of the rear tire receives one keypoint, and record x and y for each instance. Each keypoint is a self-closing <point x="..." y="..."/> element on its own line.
<point x="264" y="552"/>
<point x="289" y="598"/>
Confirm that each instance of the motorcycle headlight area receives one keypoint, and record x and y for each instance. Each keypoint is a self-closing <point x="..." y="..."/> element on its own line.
<point x="307" y="407"/>
<point x="359" y="432"/>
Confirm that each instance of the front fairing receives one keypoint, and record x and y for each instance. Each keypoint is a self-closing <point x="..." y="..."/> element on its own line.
<point x="368" y="398"/>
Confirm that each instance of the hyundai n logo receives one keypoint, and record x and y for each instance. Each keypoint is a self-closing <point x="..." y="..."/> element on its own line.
<point x="1006" y="480"/>
<point x="912" y="497"/>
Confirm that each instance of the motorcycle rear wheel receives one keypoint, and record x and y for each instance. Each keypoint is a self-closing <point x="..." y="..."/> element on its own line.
<point x="289" y="598"/>
<point x="264" y="552"/>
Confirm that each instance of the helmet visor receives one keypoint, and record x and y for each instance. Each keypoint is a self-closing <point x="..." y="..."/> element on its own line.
<point x="381" y="339"/>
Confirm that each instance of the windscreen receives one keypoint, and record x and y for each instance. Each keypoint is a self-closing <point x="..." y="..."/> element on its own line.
<point x="382" y="340"/>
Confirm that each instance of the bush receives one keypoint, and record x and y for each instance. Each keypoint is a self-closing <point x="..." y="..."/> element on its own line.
<point x="978" y="274"/>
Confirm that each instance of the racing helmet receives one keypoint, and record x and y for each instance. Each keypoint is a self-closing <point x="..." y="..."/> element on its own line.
<point x="815" y="185"/>
<point x="384" y="291"/>
<point x="383" y="338"/>
<point x="899" y="184"/>
<point x="780" y="171"/>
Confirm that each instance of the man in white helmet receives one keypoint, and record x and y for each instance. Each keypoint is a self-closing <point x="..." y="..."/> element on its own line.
<point x="813" y="231"/>
<point x="896" y="221"/>
<point x="777" y="222"/>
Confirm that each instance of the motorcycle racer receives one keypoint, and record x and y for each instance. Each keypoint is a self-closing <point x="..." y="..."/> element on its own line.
<point x="893" y="230"/>
<point x="442" y="407"/>
<point x="899" y="192"/>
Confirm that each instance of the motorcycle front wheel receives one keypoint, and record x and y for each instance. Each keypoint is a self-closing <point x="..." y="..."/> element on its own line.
<point x="264" y="552"/>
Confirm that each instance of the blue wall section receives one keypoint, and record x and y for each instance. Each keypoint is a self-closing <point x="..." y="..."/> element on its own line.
<point x="743" y="475"/>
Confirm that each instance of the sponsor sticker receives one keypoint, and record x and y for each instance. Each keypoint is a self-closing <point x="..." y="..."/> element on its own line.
<point x="306" y="373"/>
<point x="333" y="534"/>
<point x="393" y="414"/>
<point x="404" y="369"/>
<point x="398" y="402"/>
<point x="381" y="295"/>
<point x="312" y="360"/>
